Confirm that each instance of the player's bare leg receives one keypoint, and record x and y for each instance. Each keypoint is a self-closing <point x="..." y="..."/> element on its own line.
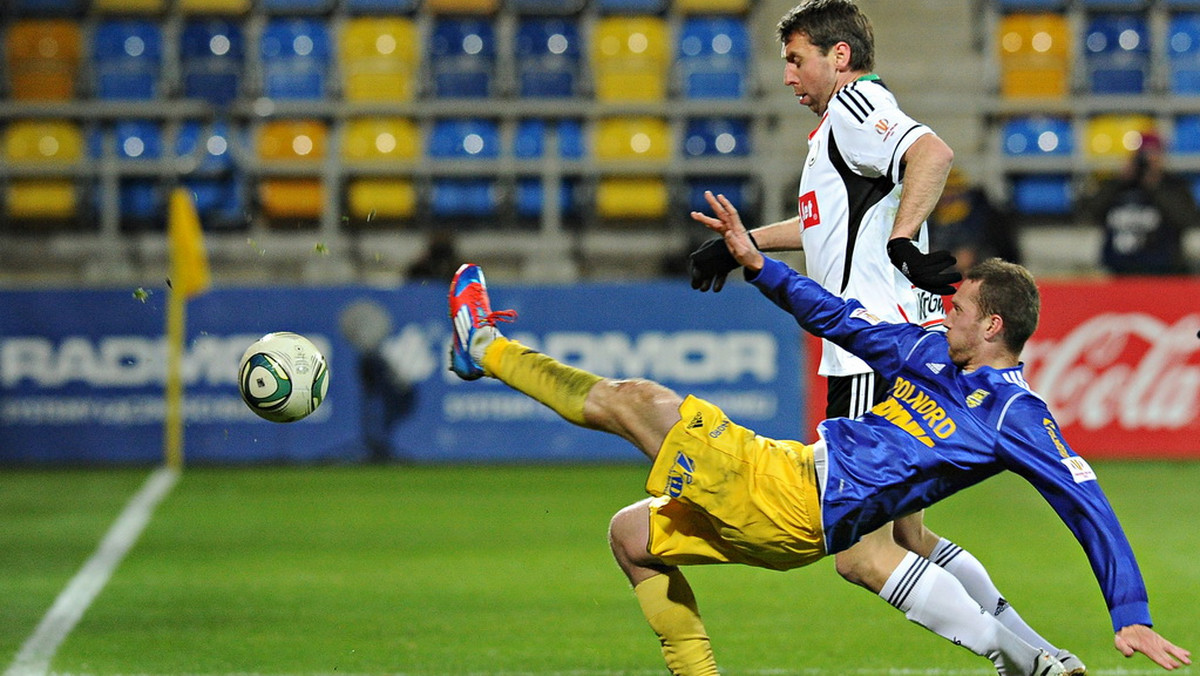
<point x="935" y="599"/>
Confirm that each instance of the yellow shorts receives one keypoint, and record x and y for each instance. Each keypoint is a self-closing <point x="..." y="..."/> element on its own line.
<point x="726" y="495"/>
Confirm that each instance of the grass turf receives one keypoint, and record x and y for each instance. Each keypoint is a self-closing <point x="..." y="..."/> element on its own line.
<point x="462" y="570"/>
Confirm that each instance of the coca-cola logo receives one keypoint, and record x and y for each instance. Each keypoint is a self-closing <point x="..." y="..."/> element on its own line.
<point x="1126" y="370"/>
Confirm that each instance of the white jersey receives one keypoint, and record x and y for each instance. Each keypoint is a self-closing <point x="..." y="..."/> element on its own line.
<point x="849" y="194"/>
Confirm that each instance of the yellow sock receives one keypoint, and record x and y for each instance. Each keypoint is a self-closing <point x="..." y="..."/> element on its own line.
<point x="670" y="607"/>
<point x="561" y="387"/>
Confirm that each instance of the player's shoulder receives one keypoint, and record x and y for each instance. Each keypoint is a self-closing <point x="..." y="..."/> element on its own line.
<point x="860" y="101"/>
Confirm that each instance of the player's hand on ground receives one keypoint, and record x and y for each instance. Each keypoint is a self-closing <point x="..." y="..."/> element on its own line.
<point x="727" y="223"/>
<point x="933" y="271"/>
<point x="1138" y="638"/>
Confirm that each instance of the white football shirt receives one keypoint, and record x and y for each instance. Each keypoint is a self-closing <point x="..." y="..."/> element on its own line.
<point x="849" y="194"/>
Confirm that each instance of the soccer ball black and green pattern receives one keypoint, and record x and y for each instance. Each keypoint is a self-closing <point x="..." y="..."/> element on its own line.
<point x="283" y="377"/>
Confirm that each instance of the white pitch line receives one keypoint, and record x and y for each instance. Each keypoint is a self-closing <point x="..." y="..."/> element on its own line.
<point x="38" y="650"/>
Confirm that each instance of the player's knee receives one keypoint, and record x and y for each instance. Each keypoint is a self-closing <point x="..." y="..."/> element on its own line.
<point x="852" y="568"/>
<point x="629" y="533"/>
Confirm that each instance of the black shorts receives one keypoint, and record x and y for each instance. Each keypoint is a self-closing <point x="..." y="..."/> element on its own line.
<point x="852" y="396"/>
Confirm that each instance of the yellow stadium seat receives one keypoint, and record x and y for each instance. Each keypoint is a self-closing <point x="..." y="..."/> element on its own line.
<point x="381" y="138"/>
<point x="1115" y="137"/>
<point x="704" y="6"/>
<point x="42" y="143"/>
<point x="224" y="7"/>
<point x="632" y="138"/>
<point x="1035" y="55"/>
<point x="129" y="6"/>
<point x="625" y="198"/>
<point x="462" y="6"/>
<point x="381" y="198"/>
<point x="42" y="59"/>
<point x="292" y="142"/>
<point x="631" y="58"/>
<point x="380" y="59"/>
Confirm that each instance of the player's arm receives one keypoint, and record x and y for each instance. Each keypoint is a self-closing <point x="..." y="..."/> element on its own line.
<point x="924" y="165"/>
<point x="1033" y="447"/>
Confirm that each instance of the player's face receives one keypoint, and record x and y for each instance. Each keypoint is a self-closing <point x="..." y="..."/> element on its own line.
<point x="811" y="74"/>
<point x="965" y="324"/>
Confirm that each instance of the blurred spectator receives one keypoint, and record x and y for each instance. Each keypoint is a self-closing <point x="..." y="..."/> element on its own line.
<point x="387" y="397"/>
<point x="1144" y="211"/>
<point x="441" y="258"/>
<point x="966" y="223"/>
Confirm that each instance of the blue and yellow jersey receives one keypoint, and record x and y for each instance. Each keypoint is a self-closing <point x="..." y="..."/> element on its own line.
<point x="941" y="430"/>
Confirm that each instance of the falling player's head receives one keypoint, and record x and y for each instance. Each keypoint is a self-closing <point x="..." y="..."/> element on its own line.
<point x="1008" y="290"/>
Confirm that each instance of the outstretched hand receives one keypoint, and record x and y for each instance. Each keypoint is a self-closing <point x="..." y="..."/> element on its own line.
<point x="1138" y="638"/>
<point x="727" y="223"/>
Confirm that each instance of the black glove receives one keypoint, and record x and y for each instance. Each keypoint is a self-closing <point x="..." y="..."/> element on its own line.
<point x="933" y="271"/>
<point x="711" y="263"/>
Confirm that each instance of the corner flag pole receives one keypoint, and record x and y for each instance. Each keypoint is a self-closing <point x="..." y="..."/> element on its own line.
<point x="189" y="276"/>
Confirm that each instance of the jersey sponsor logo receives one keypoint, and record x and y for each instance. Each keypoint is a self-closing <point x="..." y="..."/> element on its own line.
<point x="885" y="128"/>
<point x="1055" y="436"/>
<point x="680" y="475"/>
<point x="861" y="313"/>
<point x="915" y="412"/>
<point x="810" y="215"/>
<point x="1080" y="470"/>
<point x="719" y="429"/>
<point x="975" y="399"/>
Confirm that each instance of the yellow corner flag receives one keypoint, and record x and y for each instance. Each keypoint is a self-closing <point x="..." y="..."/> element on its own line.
<point x="188" y="277"/>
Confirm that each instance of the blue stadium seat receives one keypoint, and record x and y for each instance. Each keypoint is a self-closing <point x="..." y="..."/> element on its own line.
<point x="531" y="200"/>
<point x="1042" y="195"/>
<point x="1183" y="53"/>
<point x="469" y="138"/>
<point x="127" y="59"/>
<point x="1187" y="134"/>
<point x="211" y="54"/>
<point x="141" y="198"/>
<point x="713" y="58"/>
<point x="389" y="7"/>
<point x="1114" y="4"/>
<point x="716" y="137"/>
<point x="1181" y="4"/>
<point x="214" y="181"/>
<point x="1038" y="136"/>
<point x="1014" y="5"/>
<point x="630" y="6"/>
<point x="547" y="57"/>
<point x="529" y="141"/>
<point x="1117" y="53"/>
<point x="464" y="198"/>
<point x="462" y="57"/>
<point x="736" y="188"/>
<point x="296" y="58"/>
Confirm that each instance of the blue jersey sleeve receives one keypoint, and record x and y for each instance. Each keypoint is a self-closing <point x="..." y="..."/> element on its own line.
<point x="1032" y="446"/>
<point x="844" y="322"/>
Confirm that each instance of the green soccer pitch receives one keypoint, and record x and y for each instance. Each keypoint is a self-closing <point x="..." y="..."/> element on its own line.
<point x="506" y="570"/>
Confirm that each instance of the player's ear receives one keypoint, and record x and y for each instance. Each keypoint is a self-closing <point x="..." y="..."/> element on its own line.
<point x="842" y="53"/>
<point x="995" y="327"/>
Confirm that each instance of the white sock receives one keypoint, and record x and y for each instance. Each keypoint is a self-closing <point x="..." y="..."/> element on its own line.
<point x="483" y="337"/>
<point x="975" y="579"/>
<point x="936" y="600"/>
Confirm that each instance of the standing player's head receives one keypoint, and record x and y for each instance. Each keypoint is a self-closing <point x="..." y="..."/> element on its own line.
<point x="828" y="22"/>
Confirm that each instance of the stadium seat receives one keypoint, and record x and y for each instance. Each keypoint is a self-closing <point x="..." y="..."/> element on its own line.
<point x="462" y="6"/>
<point x="1114" y="4"/>
<point x="381" y="198"/>
<point x="1187" y="134"/>
<point x="1183" y="53"/>
<point x="375" y="142"/>
<point x="713" y="58"/>
<point x="716" y="137"/>
<point x="1114" y="137"/>
<point x="711" y="6"/>
<point x="630" y="58"/>
<point x="462" y="57"/>
<point x="468" y="138"/>
<point x="546" y="6"/>
<point x="1042" y="195"/>
<point x="42" y="144"/>
<point x="1014" y="5"/>
<point x="1035" y="55"/>
<point x="1038" y="136"/>
<point x="1117" y="53"/>
<point x="42" y="59"/>
<point x="295" y="58"/>
<point x="141" y="199"/>
<point x="384" y="7"/>
<point x="547" y="57"/>
<point x="638" y="139"/>
<point x="529" y="140"/>
<point x="127" y="57"/>
<point x="1181" y="4"/>
<point x="290" y="7"/>
<point x="736" y="188"/>
<point x="213" y="7"/>
<point x="631" y="198"/>
<point x="531" y="197"/>
<point x="129" y="6"/>
<point x="380" y="59"/>
<point x="630" y="6"/>
<point x="473" y="198"/>
<point x="294" y="144"/>
<point x="211" y="57"/>
<point x="213" y="179"/>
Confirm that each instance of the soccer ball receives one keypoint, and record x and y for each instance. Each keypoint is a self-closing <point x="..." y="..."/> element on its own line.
<point x="283" y="377"/>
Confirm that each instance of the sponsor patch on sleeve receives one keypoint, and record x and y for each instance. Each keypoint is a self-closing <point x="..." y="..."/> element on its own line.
<point x="1080" y="470"/>
<point x="861" y="313"/>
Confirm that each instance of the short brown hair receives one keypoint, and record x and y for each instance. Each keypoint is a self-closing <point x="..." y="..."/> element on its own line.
<point x="828" y="22"/>
<point x="1008" y="290"/>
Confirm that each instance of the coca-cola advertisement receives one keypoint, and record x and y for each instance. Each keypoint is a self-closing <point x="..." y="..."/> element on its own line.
<point x="1118" y="362"/>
